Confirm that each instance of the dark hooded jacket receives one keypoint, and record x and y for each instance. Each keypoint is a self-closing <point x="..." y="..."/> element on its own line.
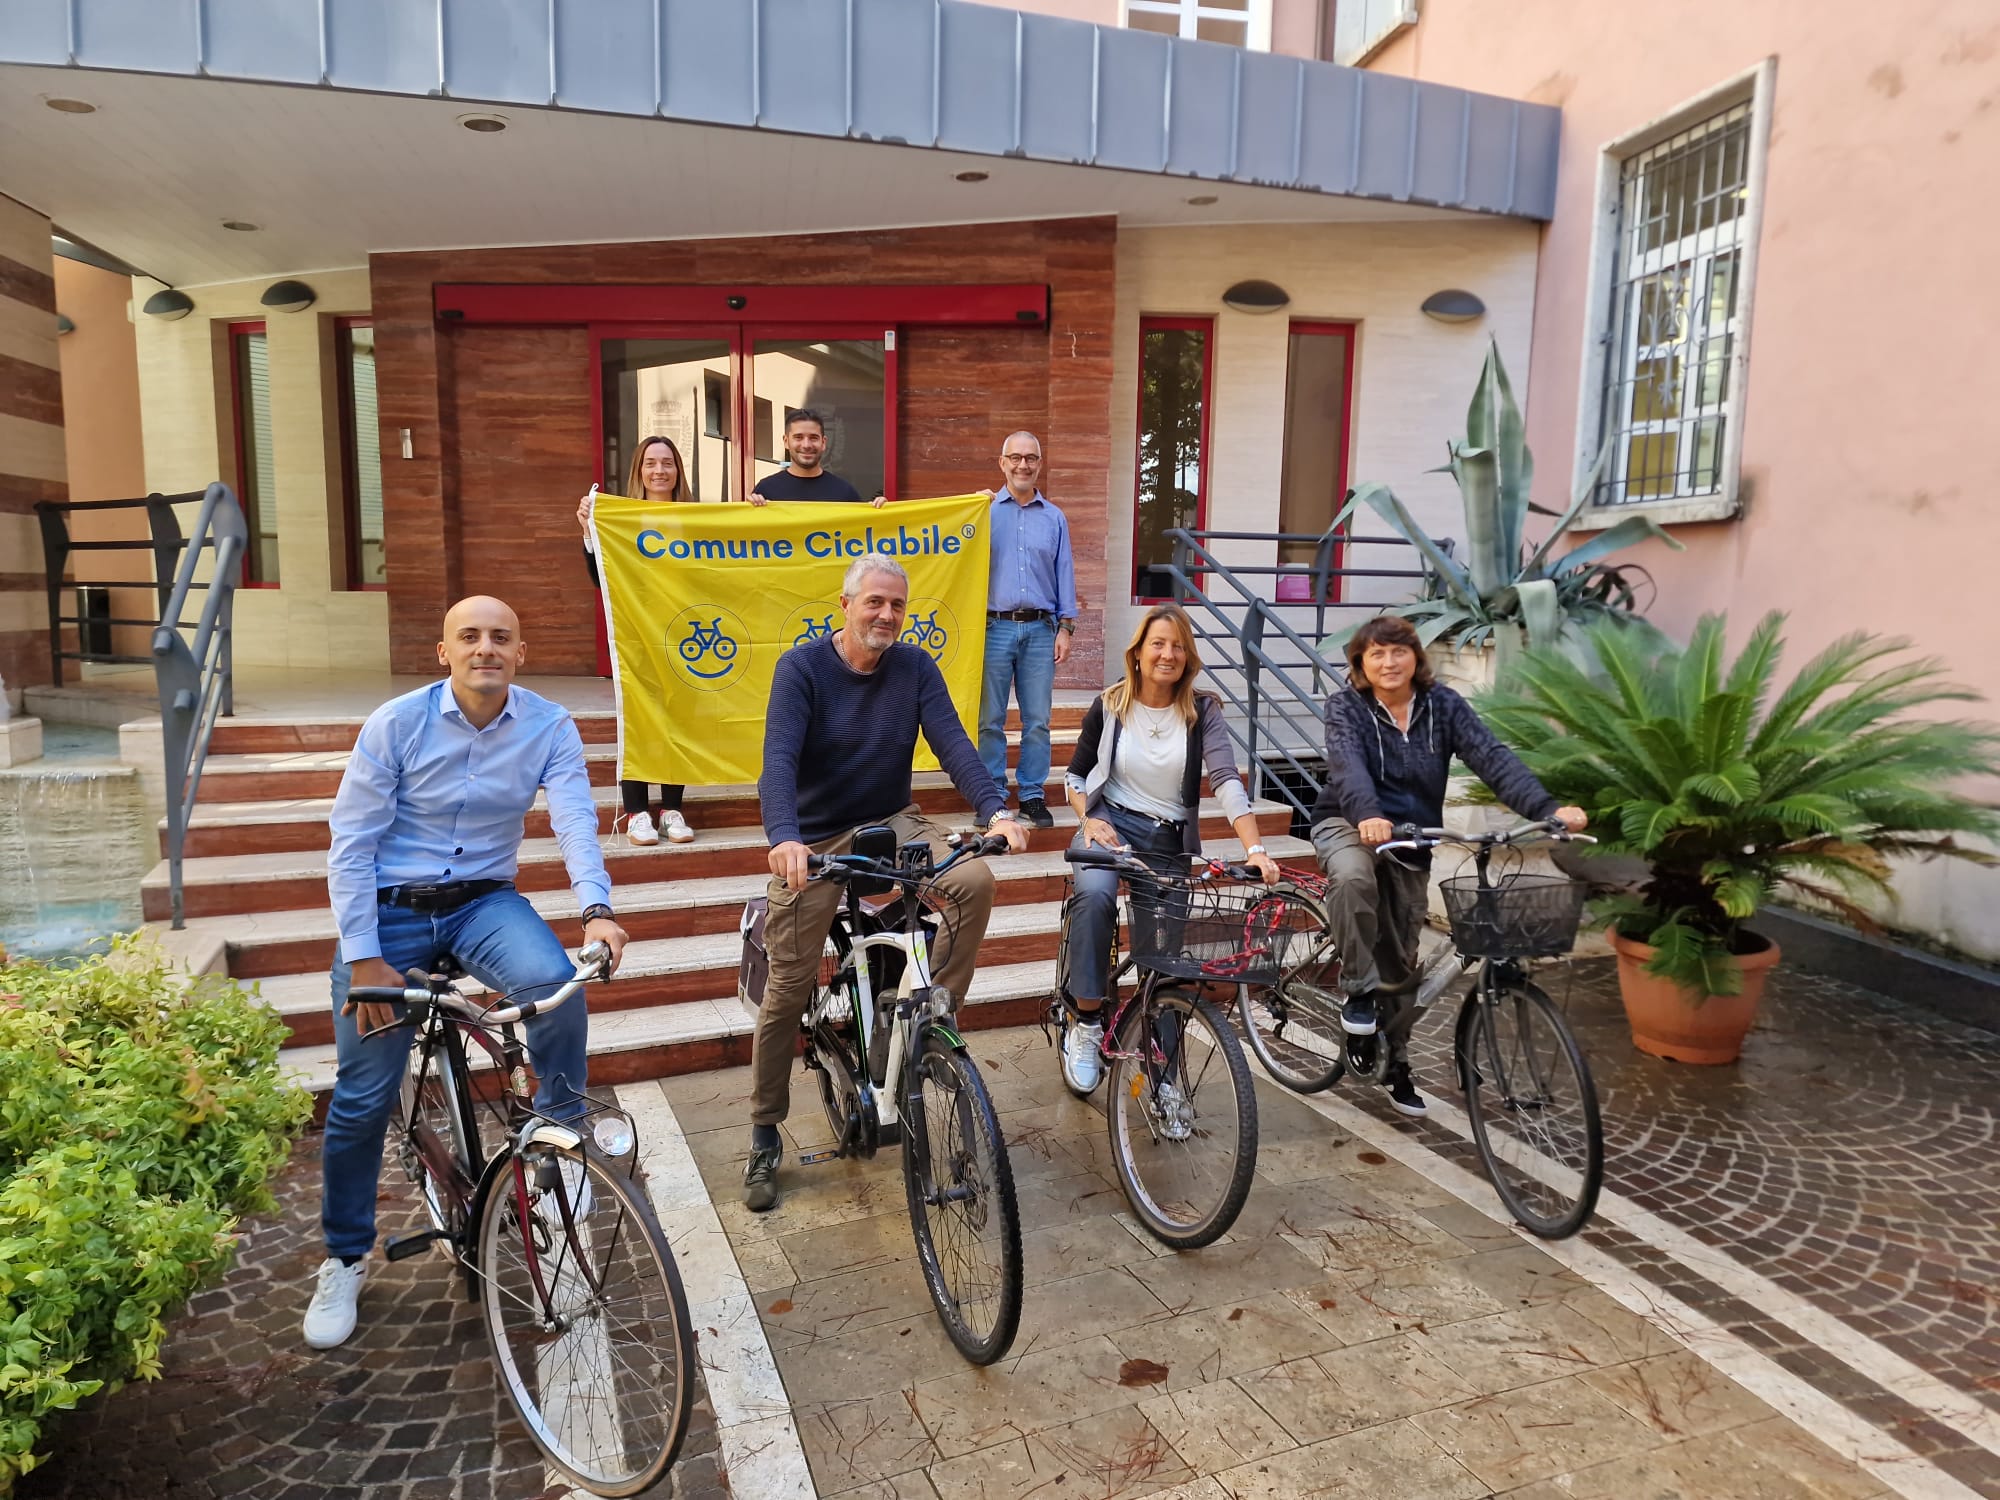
<point x="1376" y="770"/>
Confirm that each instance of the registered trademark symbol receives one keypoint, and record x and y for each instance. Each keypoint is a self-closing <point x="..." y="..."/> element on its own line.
<point x="968" y="531"/>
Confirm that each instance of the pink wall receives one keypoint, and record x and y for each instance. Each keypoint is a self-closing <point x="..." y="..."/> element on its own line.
<point x="1875" y="344"/>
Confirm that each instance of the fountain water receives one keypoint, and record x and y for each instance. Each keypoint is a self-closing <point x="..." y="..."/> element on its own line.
<point x="75" y="841"/>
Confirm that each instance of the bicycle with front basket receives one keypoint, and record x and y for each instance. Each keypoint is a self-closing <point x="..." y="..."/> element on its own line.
<point x="1183" y="1120"/>
<point x="1529" y="1098"/>
<point x="582" y="1300"/>
<point x="883" y="1039"/>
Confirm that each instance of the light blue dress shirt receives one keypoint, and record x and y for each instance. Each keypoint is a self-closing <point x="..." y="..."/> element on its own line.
<point x="427" y="797"/>
<point x="1031" y="567"/>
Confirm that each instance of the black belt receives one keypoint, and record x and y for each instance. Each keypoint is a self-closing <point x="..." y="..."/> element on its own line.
<point x="1177" y="824"/>
<point x="1017" y="614"/>
<point x="448" y="895"/>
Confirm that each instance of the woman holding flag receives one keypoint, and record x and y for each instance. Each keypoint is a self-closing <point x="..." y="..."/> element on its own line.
<point x="658" y="475"/>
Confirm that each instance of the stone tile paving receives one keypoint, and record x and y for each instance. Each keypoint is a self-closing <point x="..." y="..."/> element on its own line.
<point x="408" y="1408"/>
<point x="1360" y="1331"/>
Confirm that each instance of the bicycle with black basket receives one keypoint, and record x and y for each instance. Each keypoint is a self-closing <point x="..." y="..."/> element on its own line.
<point x="1529" y="1098"/>
<point x="1183" y="1119"/>
<point x="582" y="1300"/>
<point x="883" y="1039"/>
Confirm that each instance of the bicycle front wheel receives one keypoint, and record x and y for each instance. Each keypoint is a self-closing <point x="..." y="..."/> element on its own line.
<point x="1183" y="1118"/>
<point x="587" y="1318"/>
<point x="1294" y="1025"/>
<point x="963" y="1212"/>
<point x="1532" y="1106"/>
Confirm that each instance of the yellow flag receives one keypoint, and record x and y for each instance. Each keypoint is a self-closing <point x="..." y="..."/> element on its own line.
<point x="704" y="599"/>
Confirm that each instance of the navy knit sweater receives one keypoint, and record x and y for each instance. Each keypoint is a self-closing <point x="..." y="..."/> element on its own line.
<point x="838" y="743"/>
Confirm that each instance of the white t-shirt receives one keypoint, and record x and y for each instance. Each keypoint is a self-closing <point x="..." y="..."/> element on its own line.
<point x="1150" y="763"/>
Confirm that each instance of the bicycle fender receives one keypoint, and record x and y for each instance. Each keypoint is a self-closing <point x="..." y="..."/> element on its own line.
<point x="548" y="1133"/>
<point x="950" y="1034"/>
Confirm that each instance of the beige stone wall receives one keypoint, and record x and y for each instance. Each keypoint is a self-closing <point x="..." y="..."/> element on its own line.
<point x="305" y="621"/>
<point x="1412" y="375"/>
<point x="31" y="440"/>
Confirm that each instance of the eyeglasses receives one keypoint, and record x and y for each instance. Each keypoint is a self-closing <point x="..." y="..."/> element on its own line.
<point x="1022" y="458"/>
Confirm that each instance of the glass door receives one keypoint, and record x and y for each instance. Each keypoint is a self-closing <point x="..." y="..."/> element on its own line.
<point x="842" y="375"/>
<point x="683" y="387"/>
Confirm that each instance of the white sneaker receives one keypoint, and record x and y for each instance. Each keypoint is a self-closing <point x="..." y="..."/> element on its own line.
<point x="639" y="829"/>
<point x="1082" y="1056"/>
<point x="675" y="827"/>
<point x="331" y="1318"/>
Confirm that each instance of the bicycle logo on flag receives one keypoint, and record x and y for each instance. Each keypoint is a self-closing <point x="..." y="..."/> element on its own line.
<point x="930" y="624"/>
<point x="816" y="626"/>
<point x="709" y="646"/>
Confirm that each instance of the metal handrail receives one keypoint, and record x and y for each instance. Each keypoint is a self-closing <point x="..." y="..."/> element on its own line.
<point x="195" y="681"/>
<point x="1273" y="711"/>
<point x="164" y="541"/>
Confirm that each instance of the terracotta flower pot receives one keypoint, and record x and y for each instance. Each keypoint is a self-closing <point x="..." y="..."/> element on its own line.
<point x="1671" y="1022"/>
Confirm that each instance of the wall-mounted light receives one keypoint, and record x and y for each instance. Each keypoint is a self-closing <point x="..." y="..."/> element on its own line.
<point x="64" y="324"/>
<point x="1453" y="307"/>
<point x="1256" y="297"/>
<point x="169" y="305"/>
<point x="288" y="296"/>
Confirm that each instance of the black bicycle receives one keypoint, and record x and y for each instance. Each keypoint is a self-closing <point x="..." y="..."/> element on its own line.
<point x="884" y="1041"/>
<point x="1183" y="1118"/>
<point x="1529" y="1097"/>
<point x="581" y="1296"/>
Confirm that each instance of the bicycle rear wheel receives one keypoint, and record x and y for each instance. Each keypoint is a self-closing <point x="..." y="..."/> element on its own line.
<point x="1532" y="1106"/>
<point x="1183" y="1118"/>
<point x="587" y="1318"/>
<point x="960" y="1184"/>
<point x="440" y="1143"/>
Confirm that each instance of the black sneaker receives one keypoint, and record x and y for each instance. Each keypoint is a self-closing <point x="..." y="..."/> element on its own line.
<point x="1036" y="811"/>
<point x="1403" y="1093"/>
<point x="760" y="1181"/>
<point x="1357" y="1016"/>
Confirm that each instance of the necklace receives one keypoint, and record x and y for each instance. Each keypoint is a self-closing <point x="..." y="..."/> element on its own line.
<point x="1157" y="722"/>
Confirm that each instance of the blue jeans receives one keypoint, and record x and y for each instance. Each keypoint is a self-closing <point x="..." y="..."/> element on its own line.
<point x="1020" y="654"/>
<point x="1092" y="917"/>
<point x="501" y="941"/>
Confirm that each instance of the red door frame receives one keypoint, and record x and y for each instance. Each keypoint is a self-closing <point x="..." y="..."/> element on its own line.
<point x="234" y="331"/>
<point x="881" y="306"/>
<point x="1149" y="324"/>
<point x="1322" y="328"/>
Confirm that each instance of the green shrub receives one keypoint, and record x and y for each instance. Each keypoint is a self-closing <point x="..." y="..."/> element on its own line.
<point x="139" y="1117"/>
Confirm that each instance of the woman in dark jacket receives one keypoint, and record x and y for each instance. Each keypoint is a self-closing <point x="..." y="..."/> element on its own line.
<point x="1134" y="784"/>
<point x="1391" y="734"/>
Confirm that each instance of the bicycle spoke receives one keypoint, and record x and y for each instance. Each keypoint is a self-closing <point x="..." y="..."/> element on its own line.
<point x="1534" y="1111"/>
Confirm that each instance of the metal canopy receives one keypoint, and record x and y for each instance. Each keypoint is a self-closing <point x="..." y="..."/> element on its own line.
<point x="967" y="78"/>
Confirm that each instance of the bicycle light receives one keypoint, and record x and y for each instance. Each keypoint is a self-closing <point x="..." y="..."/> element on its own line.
<point x="614" y="1135"/>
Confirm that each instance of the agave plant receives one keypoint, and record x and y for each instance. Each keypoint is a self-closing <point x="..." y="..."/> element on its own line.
<point x="1731" y="790"/>
<point x="1502" y="589"/>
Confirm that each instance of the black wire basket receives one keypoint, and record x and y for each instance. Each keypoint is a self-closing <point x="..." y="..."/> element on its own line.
<point x="1523" y="916"/>
<point x="1225" y="931"/>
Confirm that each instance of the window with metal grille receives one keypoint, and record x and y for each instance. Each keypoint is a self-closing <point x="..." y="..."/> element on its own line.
<point x="1673" y="368"/>
<point x="1237" y="23"/>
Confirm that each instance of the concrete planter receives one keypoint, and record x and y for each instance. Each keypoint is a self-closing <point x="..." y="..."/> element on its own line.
<point x="1671" y="1022"/>
<point x="1467" y="670"/>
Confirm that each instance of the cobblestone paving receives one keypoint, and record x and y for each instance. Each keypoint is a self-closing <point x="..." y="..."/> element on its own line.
<point x="407" y="1408"/>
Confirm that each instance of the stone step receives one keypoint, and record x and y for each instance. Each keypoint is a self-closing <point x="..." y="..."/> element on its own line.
<point x="247" y="735"/>
<point x="288" y="775"/>
<point x="222" y="885"/>
<point x="276" y="827"/>
<point x="266" y="944"/>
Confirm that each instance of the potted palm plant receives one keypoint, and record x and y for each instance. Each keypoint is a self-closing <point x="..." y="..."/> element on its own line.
<point x="1721" y="789"/>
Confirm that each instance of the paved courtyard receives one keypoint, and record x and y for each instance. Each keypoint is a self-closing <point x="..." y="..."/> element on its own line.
<point x="1788" y="1293"/>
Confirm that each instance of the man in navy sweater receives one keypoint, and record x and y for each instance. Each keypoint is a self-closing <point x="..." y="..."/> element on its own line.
<point x="840" y="737"/>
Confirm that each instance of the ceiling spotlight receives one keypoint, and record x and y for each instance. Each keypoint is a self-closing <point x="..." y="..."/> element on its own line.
<point x="241" y="226"/>
<point x="1201" y="200"/>
<point x="169" y="305"/>
<point x="971" y="176"/>
<point x="484" y="124"/>
<point x="1256" y="297"/>
<point x="64" y="324"/>
<point x="69" y="106"/>
<point x="288" y="296"/>
<point x="1453" y="307"/>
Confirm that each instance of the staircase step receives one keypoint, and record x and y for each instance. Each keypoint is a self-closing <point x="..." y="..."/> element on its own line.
<point x="243" y="735"/>
<point x="222" y="885"/>
<point x="290" y="775"/>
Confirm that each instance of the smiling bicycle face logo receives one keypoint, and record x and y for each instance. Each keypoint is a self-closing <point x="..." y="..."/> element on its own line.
<point x="708" y="646"/>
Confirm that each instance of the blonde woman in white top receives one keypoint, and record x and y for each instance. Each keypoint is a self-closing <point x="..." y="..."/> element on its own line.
<point x="1135" y="784"/>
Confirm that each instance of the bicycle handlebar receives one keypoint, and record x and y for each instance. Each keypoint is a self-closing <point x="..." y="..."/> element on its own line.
<point x="1410" y="836"/>
<point x="845" y="866"/>
<point x="1097" y="857"/>
<point x="592" y="962"/>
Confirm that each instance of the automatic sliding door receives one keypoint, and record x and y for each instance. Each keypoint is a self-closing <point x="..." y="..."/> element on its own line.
<point x="683" y="389"/>
<point x="844" y="380"/>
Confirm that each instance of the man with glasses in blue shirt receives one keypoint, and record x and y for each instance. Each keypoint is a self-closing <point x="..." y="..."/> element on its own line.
<point x="427" y="830"/>
<point x="1030" y="617"/>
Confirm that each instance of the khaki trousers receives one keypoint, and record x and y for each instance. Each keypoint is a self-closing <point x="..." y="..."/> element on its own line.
<point x="795" y="937"/>
<point x="1375" y="907"/>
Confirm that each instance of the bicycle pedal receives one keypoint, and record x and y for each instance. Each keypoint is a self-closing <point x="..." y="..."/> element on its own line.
<point x="814" y="1158"/>
<point x="403" y="1246"/>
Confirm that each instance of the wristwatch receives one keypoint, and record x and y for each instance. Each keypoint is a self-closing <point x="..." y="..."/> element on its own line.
<point x="598" y="911"/>
<point x="1067" y="627"/>
<point x="1253" y="851"/>
<point x="1002" y="816"/>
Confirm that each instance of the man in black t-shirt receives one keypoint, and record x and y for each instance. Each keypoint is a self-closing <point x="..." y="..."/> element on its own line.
<point x="803" y="478"/>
